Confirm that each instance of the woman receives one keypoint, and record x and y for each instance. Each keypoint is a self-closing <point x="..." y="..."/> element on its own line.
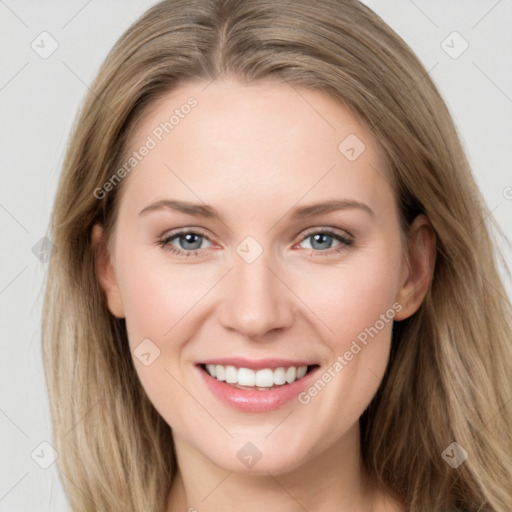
<point x="256" y="371"/>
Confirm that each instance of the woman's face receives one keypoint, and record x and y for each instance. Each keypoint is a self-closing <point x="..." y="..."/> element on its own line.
<point x="270" y="285"/>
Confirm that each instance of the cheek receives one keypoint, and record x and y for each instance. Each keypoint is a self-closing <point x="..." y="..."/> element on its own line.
<point x="351" y="298"/>
<point x="361" y="300"/>
<point x="158" y="296"/>
<point x="161" y="303"/>
<point x="357" y="305"/>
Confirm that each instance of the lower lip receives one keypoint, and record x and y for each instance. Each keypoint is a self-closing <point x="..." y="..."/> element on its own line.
<point x="256" y="401"/>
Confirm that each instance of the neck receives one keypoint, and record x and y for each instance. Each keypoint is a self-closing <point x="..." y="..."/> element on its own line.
<point x="332" y="480"/>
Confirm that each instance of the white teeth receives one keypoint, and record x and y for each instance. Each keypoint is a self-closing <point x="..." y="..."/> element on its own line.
<point x="220" y="372"/>
<point x="301" y="371"/>
<point x="246" y="377"/>
<point x="280" y="376"/>
<point x="291" y="374"/>
<point x="264" y="378"/>
<point x="231" y="375"/>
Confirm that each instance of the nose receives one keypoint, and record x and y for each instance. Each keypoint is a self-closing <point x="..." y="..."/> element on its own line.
<point x="258" y="300"/>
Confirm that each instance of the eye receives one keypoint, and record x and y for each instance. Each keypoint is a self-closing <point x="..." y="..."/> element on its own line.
<point x="321" y="241"/>
<point x="190" y="242"/>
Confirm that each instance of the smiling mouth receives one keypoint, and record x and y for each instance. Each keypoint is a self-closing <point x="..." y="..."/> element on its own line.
<point x="264" y="379"/>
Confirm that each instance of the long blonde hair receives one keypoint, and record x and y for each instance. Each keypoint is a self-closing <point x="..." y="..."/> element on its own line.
<point x="450" y="372"/>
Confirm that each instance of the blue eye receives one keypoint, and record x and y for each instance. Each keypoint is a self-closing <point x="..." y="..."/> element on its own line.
<point x="320" y="238"/>
<point x="190" y="242"/>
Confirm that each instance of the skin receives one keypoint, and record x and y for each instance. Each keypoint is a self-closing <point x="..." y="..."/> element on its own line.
<point x="255" y="152"/>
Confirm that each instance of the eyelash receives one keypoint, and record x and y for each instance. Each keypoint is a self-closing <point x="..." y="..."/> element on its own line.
<point x="345" y="242"/>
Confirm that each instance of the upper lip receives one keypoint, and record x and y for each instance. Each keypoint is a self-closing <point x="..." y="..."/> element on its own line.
<point x="258" y="364"/>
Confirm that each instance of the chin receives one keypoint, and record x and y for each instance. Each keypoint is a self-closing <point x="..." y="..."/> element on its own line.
<point x="257" y="458"/>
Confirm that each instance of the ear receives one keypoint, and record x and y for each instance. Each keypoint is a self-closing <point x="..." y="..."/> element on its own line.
<point x="418" y="267"/>
<point x="105" y="272"/>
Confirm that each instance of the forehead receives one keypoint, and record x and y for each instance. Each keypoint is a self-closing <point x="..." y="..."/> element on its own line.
<point x="252" y="143"/>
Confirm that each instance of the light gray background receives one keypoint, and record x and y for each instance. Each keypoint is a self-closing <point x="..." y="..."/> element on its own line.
<point x="39" y="99"/>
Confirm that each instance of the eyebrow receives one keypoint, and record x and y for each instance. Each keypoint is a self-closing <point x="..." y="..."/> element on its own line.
<point x="302" y="212"/>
